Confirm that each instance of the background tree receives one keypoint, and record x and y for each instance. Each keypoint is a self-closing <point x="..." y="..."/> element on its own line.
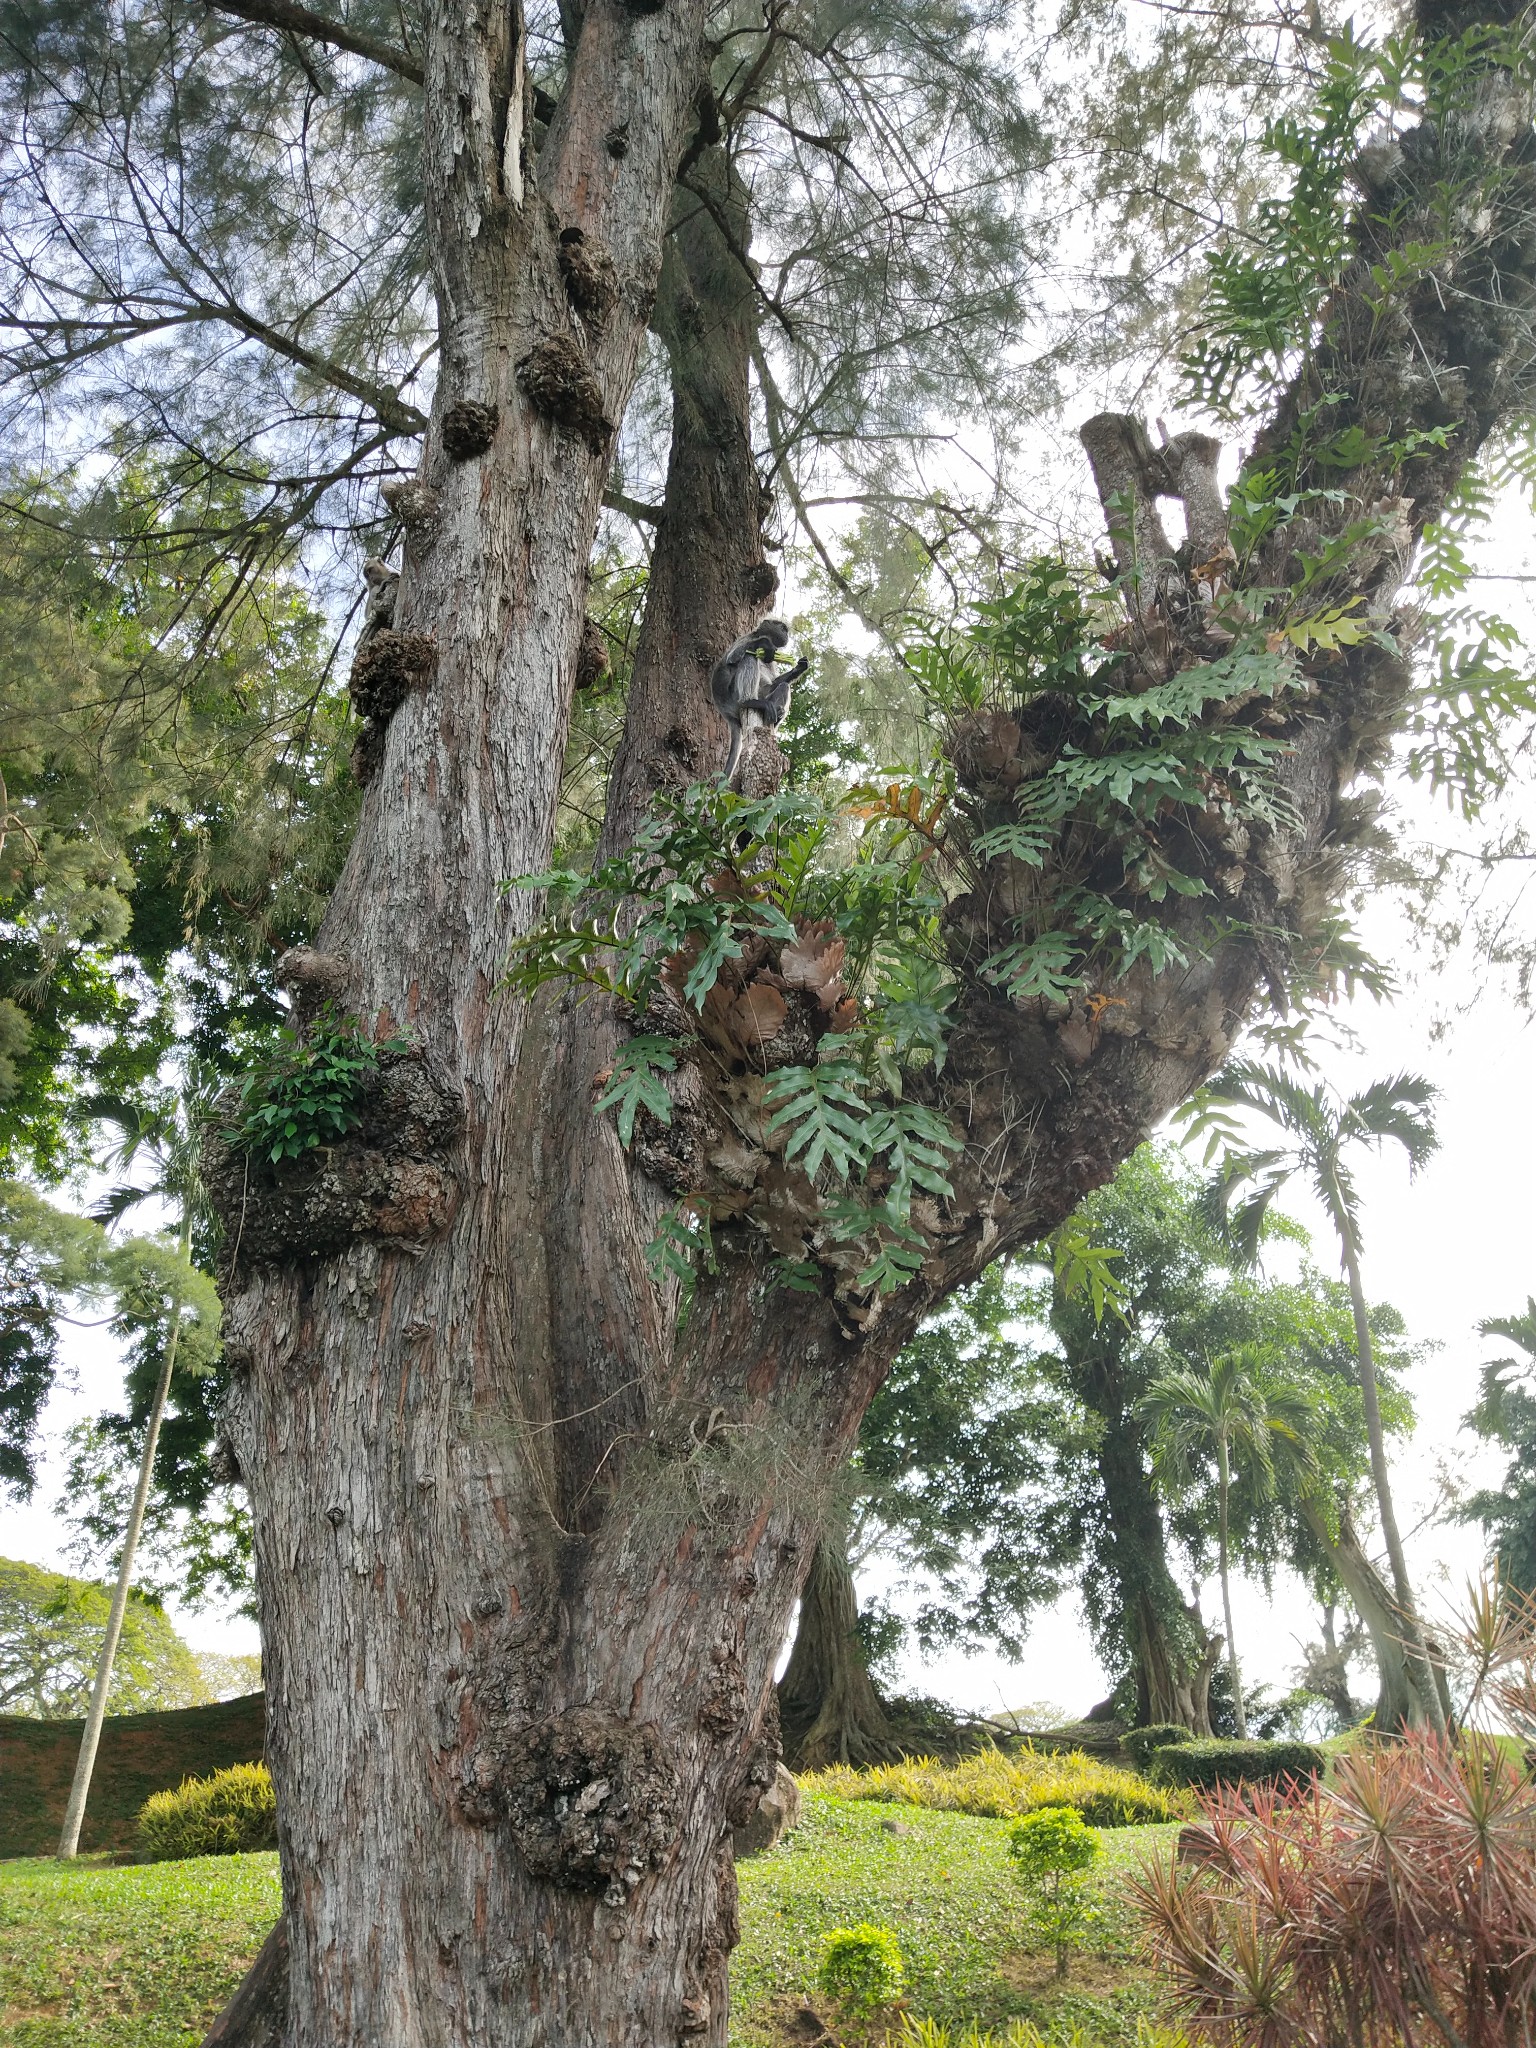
<point x="1506" y="1414"/>
<point x="1224" y="1411"/>
<point x="1320" y="1128"/>
<point x="1186" y="1293"/>
<point x="51" y="1632"/>
<point x="563" y="1524"/>
<point x="954" y="1481"/>
<point x="1169" y="1273"/>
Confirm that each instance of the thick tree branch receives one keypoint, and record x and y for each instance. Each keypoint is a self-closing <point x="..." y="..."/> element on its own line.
<point x="319" y="28"/>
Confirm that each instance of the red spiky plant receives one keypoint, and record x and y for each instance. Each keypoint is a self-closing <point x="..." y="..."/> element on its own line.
<point x="1396" y="1909"/>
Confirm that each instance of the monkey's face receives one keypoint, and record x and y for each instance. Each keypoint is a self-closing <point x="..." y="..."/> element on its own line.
<point x="768" y="638"/>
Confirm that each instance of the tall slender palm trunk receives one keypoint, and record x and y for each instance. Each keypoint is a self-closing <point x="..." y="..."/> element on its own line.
<point x="90" y="1736"/>
<point x="1224" y="1471"/>
<point x="1420" y="1666"/>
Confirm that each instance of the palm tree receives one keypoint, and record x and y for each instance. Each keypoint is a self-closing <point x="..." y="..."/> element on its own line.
<point x="1225" y="1411"/>
<point x="167" y="1135"/>
<point x="1320" y="1127"/>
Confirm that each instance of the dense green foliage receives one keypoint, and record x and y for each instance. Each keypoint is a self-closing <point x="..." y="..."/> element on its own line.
<point x="175" y="811"/>
<point x="1202" y="1766"/>
<point x="1506" y="1415"/>
<point x="1186" y="1296"/>
<point x="1051" y="1842"/>
<point x="304" y="1093"/>
<point x="176" y="800"/>
<point x="1142" y="1742"/>
<point x="230" y="1814"/>
<point x="959" y="1466"/>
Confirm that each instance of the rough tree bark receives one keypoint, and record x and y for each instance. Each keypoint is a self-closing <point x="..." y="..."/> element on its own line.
<point x="526" y="1545"/>
<point x="829" y="1711"/>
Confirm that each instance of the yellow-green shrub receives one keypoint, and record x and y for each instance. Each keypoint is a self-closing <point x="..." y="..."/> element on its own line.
<point x="228" y="1814"/>
<point x="917" y="2033"/>
<point x="1007" y="1787"/>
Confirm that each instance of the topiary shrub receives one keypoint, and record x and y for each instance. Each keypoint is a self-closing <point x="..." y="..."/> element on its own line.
<point x="1142" y="1742"/>
<point x="1054" y="1852"/>
<point x="862" y="1967"/>
<point x="1203" y="1766"/>
<point x="228" y="1814"/>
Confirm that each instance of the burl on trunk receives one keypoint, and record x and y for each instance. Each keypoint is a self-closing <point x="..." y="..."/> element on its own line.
<point x="527" y="1548"/>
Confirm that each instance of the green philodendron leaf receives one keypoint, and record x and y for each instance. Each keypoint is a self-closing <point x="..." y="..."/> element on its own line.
<point x="825" y="1113"/>
<point x="636" y="1084"/>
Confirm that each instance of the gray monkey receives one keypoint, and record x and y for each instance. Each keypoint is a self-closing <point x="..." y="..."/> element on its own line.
<point x="379" y="611"/>
<point x="743" y="679"/>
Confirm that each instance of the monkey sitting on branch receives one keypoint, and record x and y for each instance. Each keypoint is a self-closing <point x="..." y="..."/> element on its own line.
<point x="747" y="692"/>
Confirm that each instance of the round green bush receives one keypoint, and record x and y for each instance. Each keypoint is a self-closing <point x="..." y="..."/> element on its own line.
<point x="861" y="1967"/>
<point x="1055" y="1841"/>
<point x="228" y="1814"/>
<point x="1141" y="1742"/>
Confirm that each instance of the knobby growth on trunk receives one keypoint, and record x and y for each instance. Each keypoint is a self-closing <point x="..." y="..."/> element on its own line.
<point x="528" y="1538"/>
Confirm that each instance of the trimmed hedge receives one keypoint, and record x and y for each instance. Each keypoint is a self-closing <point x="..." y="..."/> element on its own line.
<point x="1142" y="1742"/>
<point x="1202" y="1766"/>
<point x="229" y="1814"/>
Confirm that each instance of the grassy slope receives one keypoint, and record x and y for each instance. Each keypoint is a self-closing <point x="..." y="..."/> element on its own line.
<point x="143" y="1956"/>
<point x="139" y="1754"/>
<point x="947" y="1889"/>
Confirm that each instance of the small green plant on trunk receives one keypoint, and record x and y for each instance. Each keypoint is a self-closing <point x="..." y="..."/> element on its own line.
<point x="1054" y="1850"/>
<point x="306" y="1094"/>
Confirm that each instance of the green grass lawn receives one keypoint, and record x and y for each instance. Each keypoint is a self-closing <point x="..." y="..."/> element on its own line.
<point x="143" y="1955"/>
<point x="946" y="1888"/>
<point x="131" y="1956"/>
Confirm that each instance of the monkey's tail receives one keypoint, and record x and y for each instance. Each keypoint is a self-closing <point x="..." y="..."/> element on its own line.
<point x="735" y="754"/>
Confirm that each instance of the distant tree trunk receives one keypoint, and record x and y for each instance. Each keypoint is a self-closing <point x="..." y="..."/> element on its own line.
<point x="709" y="579"/>
<point x="829" y="1711"/>
<point x="1171" y="1653"/>
<point x="1398" y="1701"/>
<point x="1225" y="1482"/>
<point x="1328" y="1675"/>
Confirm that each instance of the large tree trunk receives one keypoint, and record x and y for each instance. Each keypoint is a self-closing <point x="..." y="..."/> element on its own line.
<point x="709" y="578"/>
<point x="1239" y="1711"/>
<point x="829" y="1711"/>
<point x="527" y="1545"/>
